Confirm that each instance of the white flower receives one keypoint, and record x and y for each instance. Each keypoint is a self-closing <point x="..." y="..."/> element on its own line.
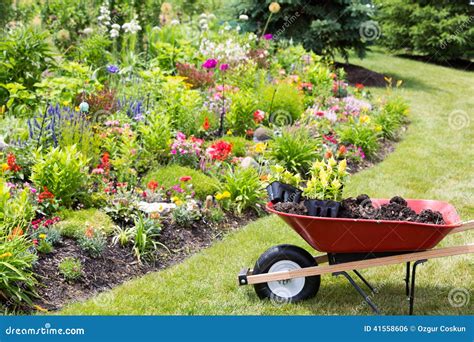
<point x="116" y="27"/>
<point x="244" y="17"/>
<point x="203" y="16"/>
<point x="132" y="27"/>
<point x="202" y="22"/>
<point x="114" y="33"/>
<point x="174" y="22"/>
<point x="88" y="31"/>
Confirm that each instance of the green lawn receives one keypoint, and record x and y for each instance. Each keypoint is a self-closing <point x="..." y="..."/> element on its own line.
<point x="433" y="161"/>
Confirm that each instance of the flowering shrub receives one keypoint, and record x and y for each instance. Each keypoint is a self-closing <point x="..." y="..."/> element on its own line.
<point x="186" y="151"/>
<point x="220" y="150"/>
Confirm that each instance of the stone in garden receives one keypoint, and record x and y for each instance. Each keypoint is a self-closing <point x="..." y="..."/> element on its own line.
<point x="248" y="162"/>
<point x="262" y="134"/>
<point x="157" y="207"/>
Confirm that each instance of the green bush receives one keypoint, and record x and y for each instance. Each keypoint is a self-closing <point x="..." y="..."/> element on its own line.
<point x="75" y="222"/>
<point x="326" y="27"/>
<point x="442" y="30"/>
<point x="63" y="171"/>
<point x="360" y="135"/>
<point x="245" y="189"/>
<point x="93" y="242"/>
<point x="185" y="217"/>
<point x="26" y="53"/>
<point x="392" y="115"/>
<point x="70" y="268"/>
<point x="295" y="150"/>
<point x="155" y="135"/>
<point x="239" y="118"/>
<point x="169" y="175"/>
<point x="283" y="102"/>
<point x="17" y="279"/>
<point x="15" y="211"/>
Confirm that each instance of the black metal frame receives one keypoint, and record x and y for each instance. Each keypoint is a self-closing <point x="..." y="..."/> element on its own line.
<point x="340" y="258"/>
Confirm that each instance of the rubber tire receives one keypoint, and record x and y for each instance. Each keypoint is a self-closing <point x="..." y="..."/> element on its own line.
<point x="286" y="252"/>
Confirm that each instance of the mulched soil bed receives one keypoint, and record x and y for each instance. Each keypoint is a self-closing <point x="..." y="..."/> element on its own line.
<point x="118" y="264"/>
<point x="357" y="74"/>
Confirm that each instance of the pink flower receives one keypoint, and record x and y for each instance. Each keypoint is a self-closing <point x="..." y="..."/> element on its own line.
<point x="258" y="116"/>
<point x="173" y="151"/>
<point x="180" y="136"/>
<point x="268" y="36"/>
<point x="224" y="67"/>
<point x="185" y="178"/>
<point x="210" y="63"/>
<point x="98" y="171"/>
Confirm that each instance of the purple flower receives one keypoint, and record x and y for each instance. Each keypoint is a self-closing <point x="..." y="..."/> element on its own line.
<point x="113" y="69"/>
<point x="224" y="67"/>
<point x="268" y="36"/>
<point x="210" y="63"/>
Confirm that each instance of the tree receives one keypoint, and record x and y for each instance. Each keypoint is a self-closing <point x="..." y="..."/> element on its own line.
<point x="440" y="29"/>
<point x="325" y="27"/>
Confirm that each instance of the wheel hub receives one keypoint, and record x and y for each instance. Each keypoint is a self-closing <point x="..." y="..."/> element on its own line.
<point x="286" y="288"/>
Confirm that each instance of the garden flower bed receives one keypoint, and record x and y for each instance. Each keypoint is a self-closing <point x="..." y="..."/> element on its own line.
<point x="175" y="148"/>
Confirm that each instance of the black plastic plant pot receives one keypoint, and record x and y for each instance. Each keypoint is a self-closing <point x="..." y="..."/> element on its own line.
<point x="281" y="192"/>
<point x="322" y="208"/>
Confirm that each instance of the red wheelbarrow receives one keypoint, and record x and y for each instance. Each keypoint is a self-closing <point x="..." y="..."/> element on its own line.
<point x="287" y="273"/>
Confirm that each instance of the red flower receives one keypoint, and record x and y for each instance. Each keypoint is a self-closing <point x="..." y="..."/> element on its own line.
<point x="11" y="162"/>
<point x="249" y="132"/>
<point x="206" y="125"/>
<point x="328" y="154"/>
<point x="220" y="150"/>
<point x="359" y="86"/>
<point x="105" y="163"/>
<point x="329" y="138"/>
<point x="45" y="195"/>
<point x="258" y="116"/>
<point x="152" y="185"/>
<point x="185" y="178"/>
<point x="320" y="113"/>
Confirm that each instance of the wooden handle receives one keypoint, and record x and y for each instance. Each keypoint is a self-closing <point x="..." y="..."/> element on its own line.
<point x="468" y="225"/>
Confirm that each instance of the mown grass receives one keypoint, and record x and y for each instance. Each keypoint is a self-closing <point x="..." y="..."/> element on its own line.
<point x="433" y="161"/>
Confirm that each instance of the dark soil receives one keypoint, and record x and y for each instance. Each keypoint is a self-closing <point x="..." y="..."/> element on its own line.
<point x="291" y="208"/>
<point x="118" y="264"/>
<point x="357" y="74"/>
<point x="361" y="207"/>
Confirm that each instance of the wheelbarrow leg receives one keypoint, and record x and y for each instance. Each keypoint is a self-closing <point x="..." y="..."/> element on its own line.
<point x="371" y="288"/>
<point x="361" y="292"/>
<point x="412" y="288"/>
<point x="407" y="280"/>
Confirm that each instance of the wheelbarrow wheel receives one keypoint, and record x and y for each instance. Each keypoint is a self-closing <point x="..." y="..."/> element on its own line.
<point x="286" y="258"/>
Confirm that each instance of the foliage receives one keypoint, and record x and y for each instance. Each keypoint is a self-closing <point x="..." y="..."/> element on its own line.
<point x="75" y="222"/>
<point x="441" y="30"/>
<point x="44" y="247"/>
<point x="327" y="180"/>
<point x="93" y="50"/>
<point x="245" y="189"/>
<point x="145" y="232"/>
<point x="239" y="119"/>
<point x="295" y="150"/>
<point x="168" y="176"/>
<point x="26" y="53"/>
<point x="70" y="268"/>
<point x="283" y="102"/>
<point x="325" y="27"/>
<point x="16" y="211"/>
<point x="185" y="217"/>
<point x="279" y="174"/>
<point x="92" y="241"/>
<point x="155" y="133"/>
<point x="63" y="171"/>
<point x="16" y="260"/>
<point x="360" y="134"/>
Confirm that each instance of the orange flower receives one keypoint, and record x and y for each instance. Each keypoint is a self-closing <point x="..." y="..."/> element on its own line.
<point x="328" y="154"/>
<point x="206" y="125"/>
<point x="342" y="150"/>
<point x="152" y="185"/>
<point x="89" y="233"/>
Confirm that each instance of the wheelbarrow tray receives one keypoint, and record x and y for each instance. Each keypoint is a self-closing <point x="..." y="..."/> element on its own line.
<point x="343" y="235"/>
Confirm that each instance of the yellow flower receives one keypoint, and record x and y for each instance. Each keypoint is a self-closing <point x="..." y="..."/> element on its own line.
<point x="65" y="103"/>
<point x="178" y="202"/>
<point x="5" y="255"/>
<point x="229" y="132"/>
<point x="77" y="108"/>
<point x="378" y="128"/>
<point x="336" y="184"/>
<point x="364" y="119"/>
<point x="274" y="7"/>
<point x="332" y="162"/>
<point x="5" y="167"/>
<point x="260" y="147"/>
<point x="218" y="196"/>
<point x="226" y="194"/>
<point x="342" y="166"/>
<point x="42" y="236"/>
<point x="39" y="308"/>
